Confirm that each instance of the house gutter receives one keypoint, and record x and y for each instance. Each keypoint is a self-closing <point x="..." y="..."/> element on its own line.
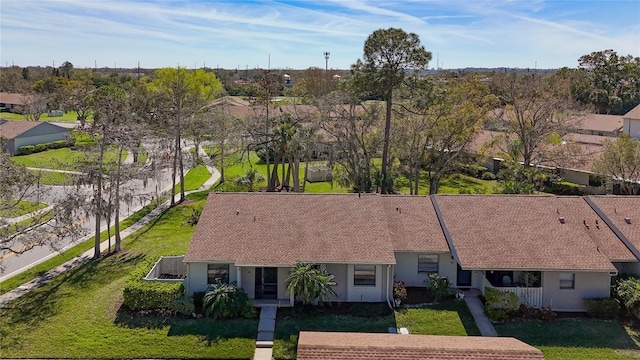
<point x="389" y="287"/>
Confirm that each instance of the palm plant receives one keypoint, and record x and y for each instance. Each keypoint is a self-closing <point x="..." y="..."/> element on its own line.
<point x="308" y="283"/>
<point x="227" y="301"/>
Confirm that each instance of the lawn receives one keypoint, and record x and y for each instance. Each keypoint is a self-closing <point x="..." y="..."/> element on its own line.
<point x="53" y="178"/>
<point x="23" y="207"/>
<point x="79" y="314"/>
<point x="59" y="159"/>
<point x="69" y="117"/>
<point x="194" y="178"/>
<point x="452" y="318"/>
<point x="576" y="338"/>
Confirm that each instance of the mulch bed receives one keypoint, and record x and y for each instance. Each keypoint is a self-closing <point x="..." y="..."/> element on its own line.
<point x="417" y="295"/>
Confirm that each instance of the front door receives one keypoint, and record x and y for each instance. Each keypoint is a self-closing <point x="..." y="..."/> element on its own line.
<point x="463" y="277"/>
<point x="266" y="283"/>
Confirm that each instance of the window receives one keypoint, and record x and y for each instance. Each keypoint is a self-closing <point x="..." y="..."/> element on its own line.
<point x="427" y="264"/>
<point x="217" y="273"/>
<point x="567" y="281"/>
<point x="364" y="275"/>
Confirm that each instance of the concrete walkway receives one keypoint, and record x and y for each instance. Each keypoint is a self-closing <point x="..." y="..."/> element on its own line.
<point x="88" y="255"/>
<point x="266" y="328"/>
<point x="477" y="311"/>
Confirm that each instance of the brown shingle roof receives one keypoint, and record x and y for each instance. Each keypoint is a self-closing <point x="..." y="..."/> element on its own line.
<point x="413" y="224"/>
<point x="600" y="122"/>
<point x="13" y="98"/>
<point x="340" y="345"/>
<point x="633" y="113"/>
<point x="282" y="228"/>
<point x="11" y="129"/>
<point x="524" y="232"/>
<point x="617" y="209"/>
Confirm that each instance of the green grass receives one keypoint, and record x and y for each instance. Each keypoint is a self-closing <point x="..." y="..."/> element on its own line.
<point x="195" y="178"/>
<point x="70" y="117"/>
<point x="79" y="314"/>
<point x="23" y="207"/>
<point x="451" y="319"/>
<point x="452" y="184"/>
<point x="60" y="159"/>
<point x="53" y="178"/>
<point x="576" y="338"/>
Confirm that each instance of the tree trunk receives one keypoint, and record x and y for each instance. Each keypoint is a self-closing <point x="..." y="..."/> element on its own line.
<point x="221" y="161"/>
<point x="98" y="205"/>
<point x="386" y="188"/>
<point x="270" y="186"/>
<point x="117" y="212"/>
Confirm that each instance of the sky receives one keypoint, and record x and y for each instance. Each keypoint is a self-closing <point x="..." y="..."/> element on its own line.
<point x="295" y="34"/>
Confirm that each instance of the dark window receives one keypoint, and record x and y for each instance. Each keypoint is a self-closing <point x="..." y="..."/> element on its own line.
<point x="427" y="264"/>
<point x="364" y="275"/>
<point x="217" y="273"/>
<point x="567" y="281"/>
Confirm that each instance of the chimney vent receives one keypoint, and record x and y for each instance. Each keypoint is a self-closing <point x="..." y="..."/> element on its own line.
<point x="561" y="218"/>
<point x="627" y="220"/>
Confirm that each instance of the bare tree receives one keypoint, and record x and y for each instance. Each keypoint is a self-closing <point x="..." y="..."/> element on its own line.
<point x="43" y="228"/>
<point x="620" y="163"/>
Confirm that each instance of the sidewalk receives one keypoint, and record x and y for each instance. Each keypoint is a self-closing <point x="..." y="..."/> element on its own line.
<point x="88" y="255"/>
<point x="477" y="311"/>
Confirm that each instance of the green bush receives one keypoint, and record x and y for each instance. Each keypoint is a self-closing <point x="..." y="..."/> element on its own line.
<point x="32" y="149"/>
<point x="628" y="292"/>
<point x="473" y="170"/>
<point x="547" y="315"/>
<point x="147" y="295"/>
<point x="504" y="302"/>
<point x="183" y="306"/>
<point x="438" y="286"/>
<point x="602" y="308"/>
<point x="488" y="176"/>
<point x="226" y="301"/>
<point x="565" y="188"/>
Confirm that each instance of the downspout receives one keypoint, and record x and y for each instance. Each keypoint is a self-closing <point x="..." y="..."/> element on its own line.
<point x="388" y="287"/>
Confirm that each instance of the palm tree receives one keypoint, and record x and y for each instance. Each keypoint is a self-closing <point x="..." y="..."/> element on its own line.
<point x="308" y="283"/>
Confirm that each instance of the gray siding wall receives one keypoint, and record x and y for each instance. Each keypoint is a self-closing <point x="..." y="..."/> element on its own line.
<point x="339" y="271"/>
<point x="406" y="268"/>
<point x="587" y="285"/>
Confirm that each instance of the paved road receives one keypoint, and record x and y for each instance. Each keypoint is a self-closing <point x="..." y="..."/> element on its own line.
<point x="144" y="193"/>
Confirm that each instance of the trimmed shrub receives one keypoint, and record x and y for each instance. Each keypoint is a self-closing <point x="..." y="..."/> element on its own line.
<point x="32" y="149"/>
<point x="500" y="303"/>
<point x="473" y="170"/>
<point x="399" y="290"/>
<point x="528" y="312"/>
<point x="565" y="188"/>
<point x="226" y="301"/>
<point x="547" y="315"/>
<point x="488" y="176"/>
<point x="147" y="295"/>
<point x="183" y="306"/>
<point x="602" y="308"/>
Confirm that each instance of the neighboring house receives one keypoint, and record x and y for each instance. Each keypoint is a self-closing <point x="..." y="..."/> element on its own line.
<point x="367" y="241"/>
<point x="21" y="133"/>
<point x="561" y="241"/>
<point x="13" y="102"/>
<point x="599" y="124"/>
<point x="631" y="124"/>
<point x="343" y="345"/>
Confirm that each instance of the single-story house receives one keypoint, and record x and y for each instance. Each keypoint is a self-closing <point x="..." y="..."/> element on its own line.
<point x="21" y="133"/>
<point x="631" y="122"/>
<point x="367" y="241"/>
<point x="13" y="102"/>
<point x="343" y="345"/>
<point x="598" y="124"/>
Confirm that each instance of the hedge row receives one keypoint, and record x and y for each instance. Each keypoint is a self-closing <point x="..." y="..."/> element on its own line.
<point x="32" y="149"/>
<point x="149" y="295"/>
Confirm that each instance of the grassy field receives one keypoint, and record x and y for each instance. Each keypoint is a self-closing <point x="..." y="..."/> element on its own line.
<point x="79" y="314"/>
<point x="70" y="117"/>
<point x="60" y="159"/>
<point x="576" y="338"/>
<point x="21" y="208"/>
<point x="444" y="319"/>
<point x="194" y="178"/>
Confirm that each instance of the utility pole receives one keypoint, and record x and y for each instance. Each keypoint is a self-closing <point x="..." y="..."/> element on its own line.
<point x="326" y="61"/>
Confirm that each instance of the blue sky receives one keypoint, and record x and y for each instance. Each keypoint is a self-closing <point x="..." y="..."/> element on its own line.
<point x="294" y="34"/>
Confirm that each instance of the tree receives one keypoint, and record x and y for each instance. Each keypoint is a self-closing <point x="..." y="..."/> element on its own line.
<point x="535" y="113"/>
<point x="185" y="92"/>
<point x="620" y="162"/>
<point x="308" y="283"/>
<point x="353" y="132"/>
<point x="615" y="80"/>
<point x="436" y="125"/>
<point x="44" y="228"/>
<point x="388" y="54"/>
